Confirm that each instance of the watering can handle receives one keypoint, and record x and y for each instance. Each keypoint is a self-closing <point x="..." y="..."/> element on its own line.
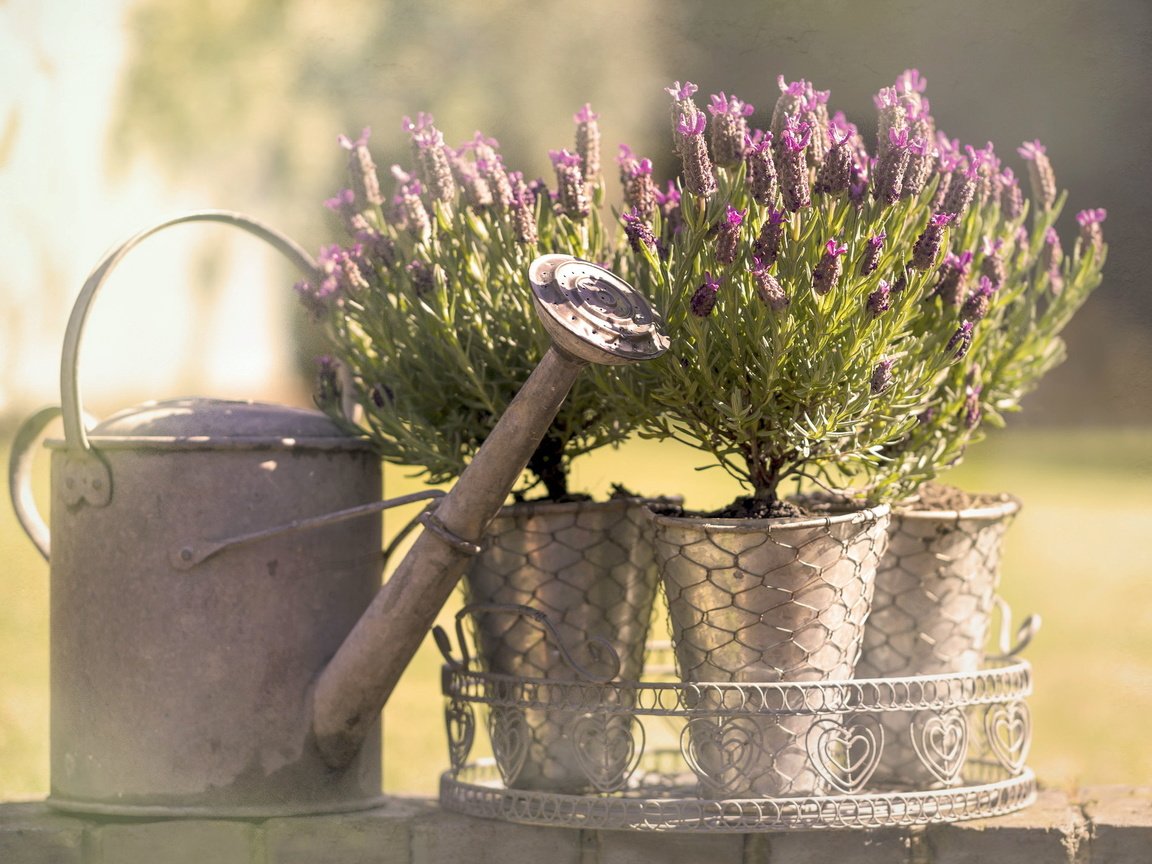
<point x="20" y="478"/>
<point x="75" y="433"/>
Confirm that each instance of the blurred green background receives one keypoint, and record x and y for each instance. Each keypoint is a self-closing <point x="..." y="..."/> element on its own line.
<point x="115" y="115"/>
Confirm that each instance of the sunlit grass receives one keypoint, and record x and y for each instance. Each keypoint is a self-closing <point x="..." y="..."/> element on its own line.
<point x="1076" y="554"/>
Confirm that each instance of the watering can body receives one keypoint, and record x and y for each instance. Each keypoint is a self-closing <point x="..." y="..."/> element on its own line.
<point x="181" y="682"/>
<point x="179" y="690"/>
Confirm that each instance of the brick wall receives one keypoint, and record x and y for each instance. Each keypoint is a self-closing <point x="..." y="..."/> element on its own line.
<point x="1101" y="825"/>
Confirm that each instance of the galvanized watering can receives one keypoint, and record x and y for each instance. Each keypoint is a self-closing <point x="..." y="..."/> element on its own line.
<point x="221" y="644"/>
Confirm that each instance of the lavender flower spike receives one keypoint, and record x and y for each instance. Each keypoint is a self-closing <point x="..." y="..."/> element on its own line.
<point x="704" y="298"/>
<point x="870" y="260"/>
<point x="638" y="231"/>
<point x="961" y="340"/>
<point x="882" y="375"/>
<point x="768" y="288"/>
<point x="682" y="106"/>
<point x="880" y="300"/>
<point x="828" y="270"/>
<point x="362" y="170"/>
<point x="976" y="306"/>
<point x="729" y="128"/>
<point x="636" y="178"/>
<point x="1091" y="233"/>
<point x="699" y="178"/>
<point x="972" y="408"/>
<point x="728" y="235"/>
<point x="588" y="142"/>
<point x="571" y="192"/>
<point x="836" y="170"/>
<point x="891" y="166"/>
<point x="766" y="247"/>
<point x="1040" y="174"/>
<point x="927" y="245"/>
<point x="794" y="166"/>
<point x="761" y="169"/>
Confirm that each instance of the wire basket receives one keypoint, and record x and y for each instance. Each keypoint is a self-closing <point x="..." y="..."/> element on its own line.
<point x="976" y="723"/>
<point x="932" y="614"/>
<point x="561" y="591"/>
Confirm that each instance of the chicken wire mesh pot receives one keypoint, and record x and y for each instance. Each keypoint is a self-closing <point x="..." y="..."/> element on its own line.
<point x="932" y="612"/>
<point x="765" y="600"/>
<point x="588" y="567"/>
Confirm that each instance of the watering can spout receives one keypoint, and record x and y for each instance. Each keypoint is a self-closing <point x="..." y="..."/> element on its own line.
<point x="592" y="316"/>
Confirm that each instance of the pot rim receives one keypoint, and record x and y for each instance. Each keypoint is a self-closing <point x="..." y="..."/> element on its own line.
<point x="873" y="514"/>
<point x="570" y="506"/>
<point x="1008" y="505"/>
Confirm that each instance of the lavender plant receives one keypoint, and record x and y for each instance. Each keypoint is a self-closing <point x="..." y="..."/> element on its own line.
<point x="826" y="320"/>
<point x="426" y="304"/>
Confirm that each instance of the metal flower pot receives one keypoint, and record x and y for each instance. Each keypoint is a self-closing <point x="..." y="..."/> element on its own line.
<point x="935" y="593"/>
<point x="765" y="600"/>
<point x="589" y="568"/>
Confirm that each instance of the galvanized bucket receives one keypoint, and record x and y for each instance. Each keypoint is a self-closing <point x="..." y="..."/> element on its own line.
<point x="935" y="595"/>
<point x="765" y="600"/>
<point x="589" y="569"/>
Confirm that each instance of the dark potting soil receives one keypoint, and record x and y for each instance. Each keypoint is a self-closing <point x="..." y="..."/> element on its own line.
<point x="939" y="496"/>
<point x="741" y="508"/>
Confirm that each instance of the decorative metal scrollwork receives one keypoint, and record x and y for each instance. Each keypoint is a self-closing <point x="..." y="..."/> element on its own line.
<point x="940" y="739"/>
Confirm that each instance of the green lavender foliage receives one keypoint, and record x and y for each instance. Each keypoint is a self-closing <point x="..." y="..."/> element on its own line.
<point x="788" y="394"/>
<point x="1014" y="346"/>
<point x="776" y="395"/>
<point x="432" y="352"/>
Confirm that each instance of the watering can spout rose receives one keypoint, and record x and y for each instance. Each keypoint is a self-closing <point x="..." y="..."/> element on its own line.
<point x="194" y="594"/>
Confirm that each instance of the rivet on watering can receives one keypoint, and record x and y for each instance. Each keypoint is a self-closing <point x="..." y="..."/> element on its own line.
<point x="592" y="316"/>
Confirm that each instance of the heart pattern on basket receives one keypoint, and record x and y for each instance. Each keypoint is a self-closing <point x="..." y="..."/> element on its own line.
<point x="1009" y="730"/>
<point x="845" y="755"/>
<point x="606" y="748"/>
<point x="940" y="739"/>
<point x="460" y="722"/>
<point x="721" y="753"/>
<point x="508" y="732"/>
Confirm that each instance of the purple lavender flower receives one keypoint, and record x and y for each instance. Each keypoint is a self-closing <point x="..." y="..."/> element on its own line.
<point x="344" y="204"/>
<point x="992" y="265"/>
<point x="882" y="375"/>
<point x="792" y="101"/>
<point x="636" y="178"/>
<point x="769" y="240"/>
<point x="490" y="167"/>
<point x="433" y="161"/>
<point x="976" y="306"/>
<point x="728" y="235"/>
<point x="961" y="340"/>
<point x="1091" y="234"/>
<point x="953" y="278"/>
<point x="669" y="203"/>
<point x="793" y="167"/>
<point x="477" y="192"/>
<point x="836" y="171"/>
<point x="880" y="300"/>
<point x="362" y="170"/>
<point x="870" y="260"/>
<point x="962" y="189"/>
<point x="571" y="191"/>
<point x="638" y="231"/>
<point x="893" y="118"/>
<point x="683" y="106"/>
<point x="1040" y="174"/>
<point x="891" y="165"/>
<point x="761" y="169"/>
<point x="414" y="215"/>
<point x="768" y="287"/>
<point x="927" y="245"/>
<point x="1011" y="197"/>
<point x="972" y="409"/>
<point x="588" y="142"/>
<point x="523" y="210"/>
<point x="828" y="270"/>
<point x="729" y="128"/>
<point x="921" y="159"/>
<point x="699" y="178"/>
<point x="704" y="298"/>
<point x="1051" y="256"/>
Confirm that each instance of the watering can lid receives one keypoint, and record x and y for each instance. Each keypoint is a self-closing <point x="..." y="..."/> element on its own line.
<point x="218" y="424"/>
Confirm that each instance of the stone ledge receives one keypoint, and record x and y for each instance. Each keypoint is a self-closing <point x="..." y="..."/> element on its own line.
<point x="1099" y="825"/>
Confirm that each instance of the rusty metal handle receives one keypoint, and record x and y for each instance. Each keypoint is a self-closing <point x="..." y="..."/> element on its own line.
<point x="75" y="433"/>
<point x="20" y="478"/>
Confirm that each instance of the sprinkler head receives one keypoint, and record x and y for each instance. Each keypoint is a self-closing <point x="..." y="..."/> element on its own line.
<point x="592" y="314"/>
